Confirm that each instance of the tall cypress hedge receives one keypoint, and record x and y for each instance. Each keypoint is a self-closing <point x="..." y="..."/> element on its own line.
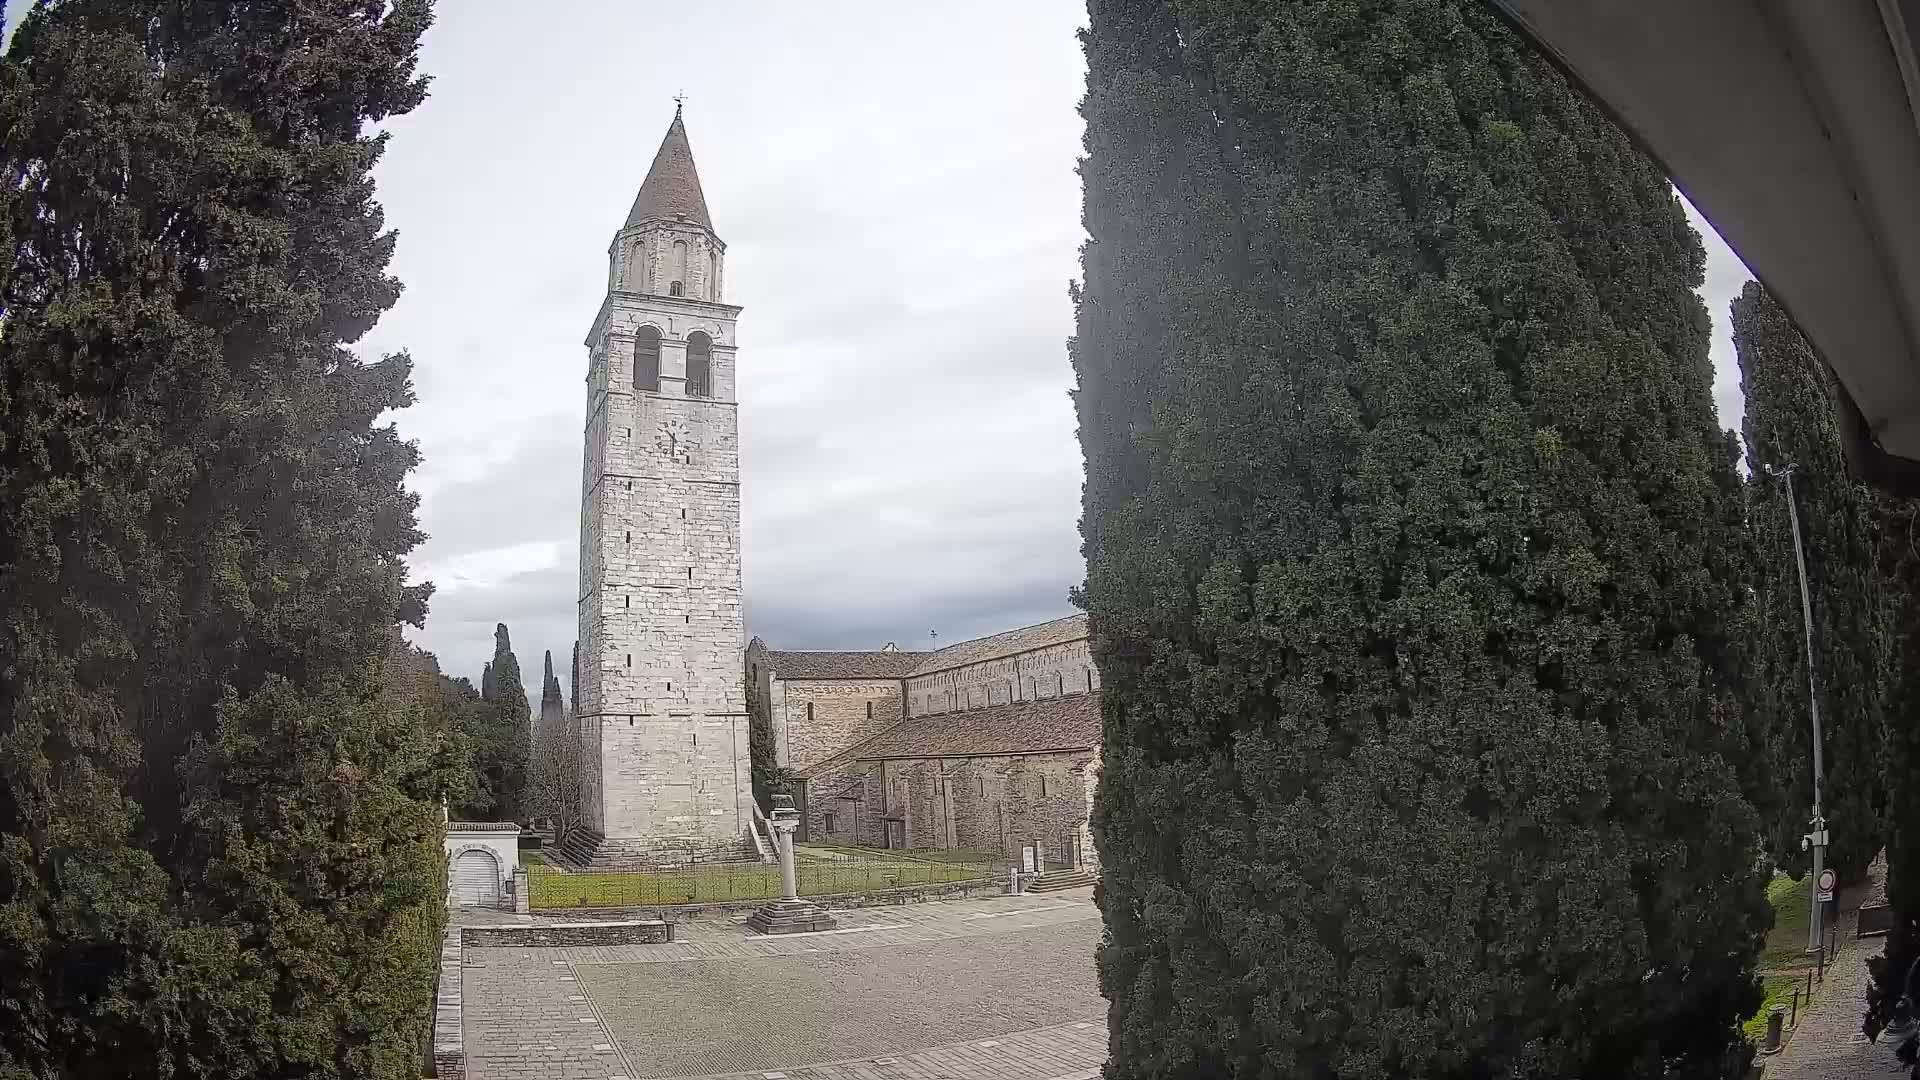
<point x="1415" y="562"/>
<point x="1791" y="417"/>
<point x="219" y="822"/>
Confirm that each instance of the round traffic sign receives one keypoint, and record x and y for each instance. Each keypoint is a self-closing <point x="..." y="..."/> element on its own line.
<point x="1826" y="880"/>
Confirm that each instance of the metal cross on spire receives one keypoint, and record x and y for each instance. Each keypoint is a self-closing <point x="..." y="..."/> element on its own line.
<point x="679" y="100"/>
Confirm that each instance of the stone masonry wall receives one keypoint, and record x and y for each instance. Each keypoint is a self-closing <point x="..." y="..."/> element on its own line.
<point x="555" y="934"/>
<point x="662" y="703"/>
<point x="1028" y="676"/>
<point x="994" y="804"/>
<point x="813" y="719"/>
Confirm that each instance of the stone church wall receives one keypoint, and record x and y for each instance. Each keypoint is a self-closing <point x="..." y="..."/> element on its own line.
<point x="1028" y="676"/>
<point x="813" y="719"/>
<point x="991" y="804"/>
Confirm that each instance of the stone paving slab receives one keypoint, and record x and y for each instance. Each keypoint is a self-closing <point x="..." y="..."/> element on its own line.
<point x="1828" y="1043"/>
<point x="773" y="1013"/>
<point x="961" y="990"/>
<point x="864" y="934"/>
<point x="1063" y="1052"/>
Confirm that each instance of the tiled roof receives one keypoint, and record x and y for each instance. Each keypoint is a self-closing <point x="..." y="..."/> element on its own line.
<point x="844" y="665"/>
<point x="1021" y="727"/>
<point x="1025" y="639"/>
<point x="672" y="188"/>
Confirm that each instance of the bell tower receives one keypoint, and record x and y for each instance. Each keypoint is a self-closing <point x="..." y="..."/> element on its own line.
<point x="662" y="714"/>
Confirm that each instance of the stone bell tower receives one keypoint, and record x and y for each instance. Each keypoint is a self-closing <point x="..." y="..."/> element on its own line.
<point x="662" y="714"/>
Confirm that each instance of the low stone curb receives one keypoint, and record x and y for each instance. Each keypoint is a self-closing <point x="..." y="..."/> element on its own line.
<point x="604" y="932"/>
<point x="449" y="1042"/>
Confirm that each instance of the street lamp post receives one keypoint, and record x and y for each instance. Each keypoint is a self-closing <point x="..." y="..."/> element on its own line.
<point x="1816" y="840"/>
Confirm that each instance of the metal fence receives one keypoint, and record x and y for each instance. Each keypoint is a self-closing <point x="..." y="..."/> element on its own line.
<point x="709" y="883"/>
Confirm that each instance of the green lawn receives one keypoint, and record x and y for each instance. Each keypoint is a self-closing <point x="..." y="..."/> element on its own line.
<point x="551" y="888"/>
<point x="1783" y="959"/>
<point x="935" y="855"/>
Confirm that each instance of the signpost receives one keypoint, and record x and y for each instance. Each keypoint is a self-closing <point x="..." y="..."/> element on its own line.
<point x="1823" y="889"/>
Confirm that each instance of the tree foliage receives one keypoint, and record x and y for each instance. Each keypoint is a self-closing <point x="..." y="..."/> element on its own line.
<point x="553" y="776"/>
<point x="1895" y="990"/>
<point x="503" y="735"/>
<point x="1792" y="419"/>
<point x="1415" y="560"/>
<point x="218" y="825"/>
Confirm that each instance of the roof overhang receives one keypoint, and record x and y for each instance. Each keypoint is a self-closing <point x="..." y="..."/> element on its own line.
<point x="1794" y="126"/>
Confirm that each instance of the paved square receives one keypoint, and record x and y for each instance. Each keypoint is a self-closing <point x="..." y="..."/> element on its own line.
<point x="967" y="989"/>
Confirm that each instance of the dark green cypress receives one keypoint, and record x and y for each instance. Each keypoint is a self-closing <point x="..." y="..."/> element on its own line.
<point x="1791" y="417"/>
<point x="1896" y="971"/>
<point x="506" y="752"/>
<point x="219" y="831"/>
<point x="1414" y="560"/>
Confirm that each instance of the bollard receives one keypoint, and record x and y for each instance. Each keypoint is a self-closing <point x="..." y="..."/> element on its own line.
<point x="1793" y="1019"/>
<point x="1776" y="1021"/>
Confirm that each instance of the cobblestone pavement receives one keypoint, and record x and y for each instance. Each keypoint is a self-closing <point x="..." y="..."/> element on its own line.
<point x="959" y="990"/>
<point x="1828" y="1044"/>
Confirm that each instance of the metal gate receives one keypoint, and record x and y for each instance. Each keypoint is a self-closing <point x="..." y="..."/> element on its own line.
<point x="476" y="880"/>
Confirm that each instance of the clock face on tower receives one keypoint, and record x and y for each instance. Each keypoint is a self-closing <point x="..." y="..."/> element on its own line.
<point x="674" y="440"/>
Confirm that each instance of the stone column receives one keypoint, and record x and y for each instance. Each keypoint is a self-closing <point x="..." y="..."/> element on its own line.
<point x="784" y="826"/>
<point x="789" y="914"/>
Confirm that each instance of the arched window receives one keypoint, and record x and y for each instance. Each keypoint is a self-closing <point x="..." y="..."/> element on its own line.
<point x="677" y="274"/>
<point x="676" y="289"/>
<point x="713" y="276"/>
<point x="646" y="360"/>
<point x="699" y="365"/>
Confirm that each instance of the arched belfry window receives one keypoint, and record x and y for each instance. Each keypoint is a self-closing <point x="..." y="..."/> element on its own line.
<point x="699" y="365"/>
<point x="713" y="276"/>
<point x="677" y="277"/>
<point x="646" y="360"/>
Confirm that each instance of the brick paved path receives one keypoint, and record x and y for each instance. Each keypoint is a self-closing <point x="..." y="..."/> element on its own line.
<point x="1828" y="1044"/>
<point x="958" y="990"/>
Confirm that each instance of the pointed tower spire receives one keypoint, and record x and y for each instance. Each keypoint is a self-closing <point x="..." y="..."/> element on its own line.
<point x="672" y="188"/>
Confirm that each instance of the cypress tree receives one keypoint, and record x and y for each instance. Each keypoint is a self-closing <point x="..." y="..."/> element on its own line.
<point x="504" y="755"/>
<point x="1414" y="558"/>
<point x="218" y="828"/>
<point x="1896" y="971"/>
<point x="1791" y="418"/>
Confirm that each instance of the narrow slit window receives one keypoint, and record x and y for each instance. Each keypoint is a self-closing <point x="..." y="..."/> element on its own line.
<point x="629" y="659"/>
<point x="869" y="710"/>
<point x="809" y="711"/>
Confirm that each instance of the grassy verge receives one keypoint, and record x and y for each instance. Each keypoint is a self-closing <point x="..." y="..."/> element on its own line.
<point x="1783" y="959"/>
<point x="549" y="888"/>
<point x="912" y="855"/>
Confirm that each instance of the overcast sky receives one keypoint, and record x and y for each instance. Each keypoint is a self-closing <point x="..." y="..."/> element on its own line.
<point x="895" y="183"/>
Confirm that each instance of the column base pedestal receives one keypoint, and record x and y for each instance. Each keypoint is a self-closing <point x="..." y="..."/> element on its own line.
<point x="790" y="917"/>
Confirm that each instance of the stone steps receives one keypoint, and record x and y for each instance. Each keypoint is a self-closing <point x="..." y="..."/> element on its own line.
<point x="1056" y="880"/>
<point x="790" y="917"/>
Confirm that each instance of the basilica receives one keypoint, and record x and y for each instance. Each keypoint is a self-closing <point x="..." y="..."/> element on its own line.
<point x="988" y="745"/>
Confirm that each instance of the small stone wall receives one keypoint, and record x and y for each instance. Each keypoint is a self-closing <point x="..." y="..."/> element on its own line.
<point x="529" y="935"/>
<point x="449" y="1044"/>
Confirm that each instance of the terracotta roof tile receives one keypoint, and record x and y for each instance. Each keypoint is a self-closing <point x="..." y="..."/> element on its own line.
<point x="672" y="188"/>
<point x="1021" y="727"/>
<point x="844" y="665"/>
<point x="1025" y="639"/>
